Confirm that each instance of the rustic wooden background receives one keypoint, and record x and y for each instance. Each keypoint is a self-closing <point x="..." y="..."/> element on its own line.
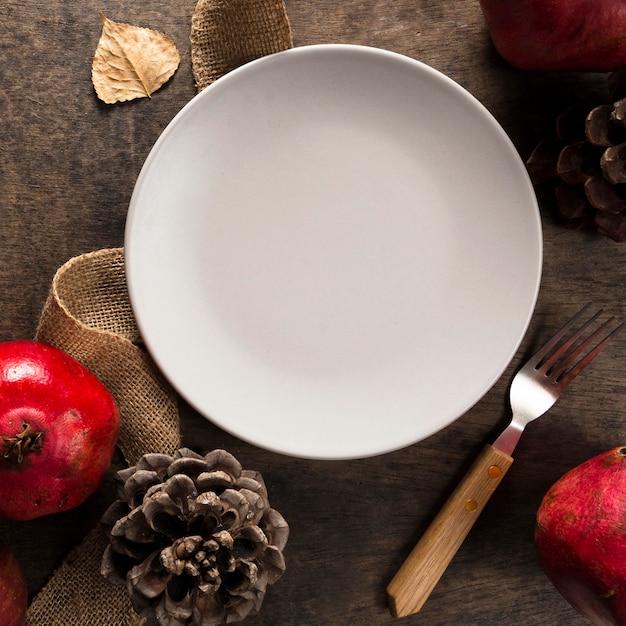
<point x="68" y="164"/>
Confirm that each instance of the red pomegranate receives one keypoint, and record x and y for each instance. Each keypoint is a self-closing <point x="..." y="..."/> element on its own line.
<point x="581" y="537"/>
<point x="58" y="430"/>
<point x="559" y="35"/>
<point x="13" y="590"/>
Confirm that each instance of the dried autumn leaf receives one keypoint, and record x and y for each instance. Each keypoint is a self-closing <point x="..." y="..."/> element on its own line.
<point x="131" y="62"/>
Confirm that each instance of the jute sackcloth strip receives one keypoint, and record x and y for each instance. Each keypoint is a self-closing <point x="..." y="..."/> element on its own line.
<point x="228" y="33"/>
<point x="77" y="595"/>
<point x="88" y="314"/>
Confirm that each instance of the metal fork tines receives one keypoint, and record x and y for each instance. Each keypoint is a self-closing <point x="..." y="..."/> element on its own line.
<point x="562" y="365"/>
<point x="546" y="375"/>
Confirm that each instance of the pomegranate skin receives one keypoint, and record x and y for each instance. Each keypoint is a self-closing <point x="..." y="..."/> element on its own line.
<point x="13" y="590"/>
<point x="58" y="430"/>
<point x="581" y="537"/>
<point x="559" y="35"/>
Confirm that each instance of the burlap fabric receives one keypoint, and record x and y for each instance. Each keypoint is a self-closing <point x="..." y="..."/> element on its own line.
<point x="77" y="595"/>
<point x="88" y="314"/>
<point x="228" y="33"/>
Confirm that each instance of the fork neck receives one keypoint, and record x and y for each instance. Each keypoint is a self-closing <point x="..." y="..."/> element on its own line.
<point x="507" y="441"/>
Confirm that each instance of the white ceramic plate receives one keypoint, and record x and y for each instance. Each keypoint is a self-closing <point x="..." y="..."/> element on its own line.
<point x="333" y="252"/>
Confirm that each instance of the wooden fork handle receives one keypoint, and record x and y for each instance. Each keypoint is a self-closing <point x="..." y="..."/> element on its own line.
<point x="421" y="571"/>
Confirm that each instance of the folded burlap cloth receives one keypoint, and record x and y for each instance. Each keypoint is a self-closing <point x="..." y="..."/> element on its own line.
<point x="228" y="33"/>
<point x="88" y="314"/>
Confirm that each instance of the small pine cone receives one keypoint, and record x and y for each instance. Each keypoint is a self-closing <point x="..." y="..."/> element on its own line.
<point x="193" y="538"/>
<point x="582" y="170"/>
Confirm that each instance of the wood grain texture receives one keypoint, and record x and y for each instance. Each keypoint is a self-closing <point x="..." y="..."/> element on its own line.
<point x="68" y="164"/>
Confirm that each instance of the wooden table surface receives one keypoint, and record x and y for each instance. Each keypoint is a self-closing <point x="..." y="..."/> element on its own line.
<point x="68" y="164"/>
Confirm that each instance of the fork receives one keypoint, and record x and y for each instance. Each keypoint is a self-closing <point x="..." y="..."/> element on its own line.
<point x="534" y="389"/>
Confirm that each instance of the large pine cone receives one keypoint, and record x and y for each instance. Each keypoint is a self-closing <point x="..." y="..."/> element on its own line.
<point x="582" y="170"/>
<point x="194" y="539"/>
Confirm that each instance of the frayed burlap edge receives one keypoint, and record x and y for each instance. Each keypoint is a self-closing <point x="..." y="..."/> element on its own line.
<point x="225" y="34"/>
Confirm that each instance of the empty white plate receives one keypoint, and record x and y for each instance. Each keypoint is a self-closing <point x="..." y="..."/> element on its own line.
<point x="333" y="251"/>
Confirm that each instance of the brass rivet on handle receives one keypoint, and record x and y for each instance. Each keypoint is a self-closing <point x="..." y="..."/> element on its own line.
<point x="471" y="505"/>
<point x="494" y="471"/>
